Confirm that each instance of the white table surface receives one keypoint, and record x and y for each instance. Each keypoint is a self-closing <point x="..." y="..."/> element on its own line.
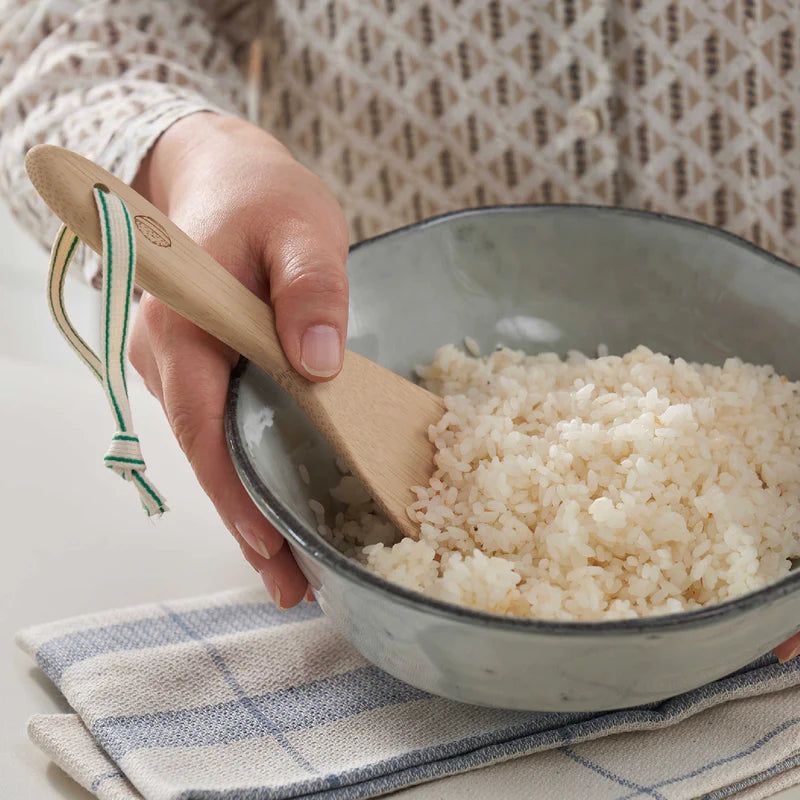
<point x="75" y="539"/>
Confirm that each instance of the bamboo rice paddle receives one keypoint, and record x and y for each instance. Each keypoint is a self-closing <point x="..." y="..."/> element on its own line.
<point x="376" y="421"/>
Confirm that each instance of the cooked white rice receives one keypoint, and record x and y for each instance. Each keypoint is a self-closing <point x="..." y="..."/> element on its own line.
<point x="594" y="488"/>
<point x="472" y="347"/>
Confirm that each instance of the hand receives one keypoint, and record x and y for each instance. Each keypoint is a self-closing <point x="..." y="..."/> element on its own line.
<point x="239" y="193"/>
<point x="789" y="649"/>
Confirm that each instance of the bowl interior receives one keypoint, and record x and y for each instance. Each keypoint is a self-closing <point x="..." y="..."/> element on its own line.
<point x="538" y="278"/>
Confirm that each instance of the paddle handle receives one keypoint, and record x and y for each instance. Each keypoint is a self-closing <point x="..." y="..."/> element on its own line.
<point x="170" y="266"/>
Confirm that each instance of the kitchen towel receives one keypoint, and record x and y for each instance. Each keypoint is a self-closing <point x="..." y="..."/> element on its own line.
<point x="227" y="697"/>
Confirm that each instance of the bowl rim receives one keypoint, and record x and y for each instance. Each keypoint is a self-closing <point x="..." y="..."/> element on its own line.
<point x="313" y="545"/>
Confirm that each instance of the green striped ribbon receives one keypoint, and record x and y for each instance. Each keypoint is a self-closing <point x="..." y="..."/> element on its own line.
<point x="124" y="456"/>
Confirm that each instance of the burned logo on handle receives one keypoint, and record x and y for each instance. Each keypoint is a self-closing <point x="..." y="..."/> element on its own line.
<point x="152" y="231"/>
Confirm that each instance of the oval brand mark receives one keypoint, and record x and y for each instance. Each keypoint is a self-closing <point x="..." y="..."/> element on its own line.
<point x="152" y="231"/>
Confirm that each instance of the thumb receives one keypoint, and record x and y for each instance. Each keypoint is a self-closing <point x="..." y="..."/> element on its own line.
<point x="309" y="293"/>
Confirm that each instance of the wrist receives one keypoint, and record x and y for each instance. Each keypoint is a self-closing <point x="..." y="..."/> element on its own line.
<point x="160" y="169"/>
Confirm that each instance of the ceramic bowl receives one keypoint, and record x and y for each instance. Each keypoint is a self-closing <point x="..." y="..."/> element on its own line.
<point x="537" y="278"/>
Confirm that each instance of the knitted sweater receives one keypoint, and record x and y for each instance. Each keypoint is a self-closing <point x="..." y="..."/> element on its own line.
<point x="408" y="109"/>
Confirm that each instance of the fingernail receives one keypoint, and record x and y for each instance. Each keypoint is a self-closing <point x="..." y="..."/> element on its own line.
<point x="272" y="588"/>
<point x="321" y="351"/>
<point x="793" y="654"/>
<point x="253" y="539"/>
<point x="243" y="548"/>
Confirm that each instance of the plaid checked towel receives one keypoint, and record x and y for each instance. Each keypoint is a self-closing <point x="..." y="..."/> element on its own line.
<point x="226" y="697"/>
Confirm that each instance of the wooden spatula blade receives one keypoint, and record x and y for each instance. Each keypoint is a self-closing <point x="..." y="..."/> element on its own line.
<point x="378" y="422"/>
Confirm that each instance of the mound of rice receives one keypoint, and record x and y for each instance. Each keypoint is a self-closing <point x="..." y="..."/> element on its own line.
<point x="594" y="488"/>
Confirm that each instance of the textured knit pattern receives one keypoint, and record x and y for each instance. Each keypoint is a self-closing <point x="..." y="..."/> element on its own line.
<point x="105" y="79"/>
<point x="416" y="108"/>
<point x="227" y="697"/>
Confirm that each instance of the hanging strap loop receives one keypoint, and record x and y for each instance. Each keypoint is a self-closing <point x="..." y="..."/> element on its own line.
<point x="124" y="455"/>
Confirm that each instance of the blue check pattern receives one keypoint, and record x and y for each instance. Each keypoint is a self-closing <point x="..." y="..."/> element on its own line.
<point x="300" y="720"/>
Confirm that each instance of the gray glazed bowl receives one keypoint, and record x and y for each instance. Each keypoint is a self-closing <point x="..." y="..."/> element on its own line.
<point x="536" y="278"/>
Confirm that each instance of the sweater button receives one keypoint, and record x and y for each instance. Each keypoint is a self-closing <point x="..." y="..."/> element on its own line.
<point x="585" y="122"/>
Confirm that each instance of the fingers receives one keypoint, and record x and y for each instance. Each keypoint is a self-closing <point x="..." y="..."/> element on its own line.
<point x="281" y="576"/>
<point x="273" y="224"/>
<point x="140" y="352"/>
<point x="194" y="371"/>
<point x="308" y="288"/>
<point x="789" y="649"/>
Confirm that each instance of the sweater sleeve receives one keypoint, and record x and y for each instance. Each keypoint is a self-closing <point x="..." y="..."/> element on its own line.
<point x="106" y="77"/>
